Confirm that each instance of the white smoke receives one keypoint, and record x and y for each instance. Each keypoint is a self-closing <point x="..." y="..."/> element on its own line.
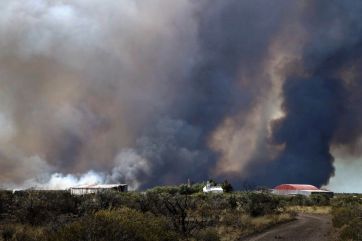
<point x="59" y="181"/>
<point x="127" y="166"/>
<point x="80" y="79"/>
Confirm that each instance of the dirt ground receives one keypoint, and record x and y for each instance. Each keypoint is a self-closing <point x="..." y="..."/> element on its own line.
<point x="307" y="227"/>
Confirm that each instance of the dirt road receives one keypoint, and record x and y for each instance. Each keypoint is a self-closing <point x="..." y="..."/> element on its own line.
<point x="307" y="227"/>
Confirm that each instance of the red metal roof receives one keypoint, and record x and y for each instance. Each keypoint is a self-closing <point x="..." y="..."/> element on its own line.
<point x="296" y="187"/>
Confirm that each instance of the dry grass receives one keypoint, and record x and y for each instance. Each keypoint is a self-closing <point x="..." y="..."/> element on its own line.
<point x="228" y="233"/>
<point x="252" y="225"/>
<point x="270" y="220"/>
<point x="311" y="209"/>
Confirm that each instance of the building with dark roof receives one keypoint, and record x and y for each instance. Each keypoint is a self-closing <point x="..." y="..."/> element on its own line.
<point x="97" y="188"/>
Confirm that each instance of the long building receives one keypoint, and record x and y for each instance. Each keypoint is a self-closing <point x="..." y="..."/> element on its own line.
<point x="97" y="188"/>
<point x="299" y="189"/>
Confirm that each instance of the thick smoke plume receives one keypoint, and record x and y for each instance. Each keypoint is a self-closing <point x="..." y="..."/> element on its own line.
<point x="156" y="92"/>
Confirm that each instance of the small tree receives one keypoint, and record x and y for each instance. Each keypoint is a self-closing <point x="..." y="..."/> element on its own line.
<point x="212" y="182"/>
<point x="226" y="186"/>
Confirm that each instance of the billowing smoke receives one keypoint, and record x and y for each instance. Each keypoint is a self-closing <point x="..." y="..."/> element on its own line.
<point x="321" y="97"/>
<point x="156" y="92"/>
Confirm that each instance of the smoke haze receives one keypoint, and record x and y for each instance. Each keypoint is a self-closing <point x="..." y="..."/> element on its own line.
<point x="156" y="92"/>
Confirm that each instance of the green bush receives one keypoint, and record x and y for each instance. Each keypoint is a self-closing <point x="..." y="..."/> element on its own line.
<point x="22" y="233"/>
<point x="41" y="207"/>
<point x="346" y="200"/>
<point x="227" y="187"/>
<point x="299" y="200"/>
<point x="182" y="189"/>
<point x="8" y="232"/>
<point x="233" y="202"/>
<point x="320" y="200"/>
<point x="236" y="219"/>
<point x="165" y="189"/>
<point x="258" y="204"/>
<point x="347" y="216"/>
<point x="6" y="201"/>
<point x="118" y="225"/>
<point x="353" y="231"/>
<point x="341" y="216"/>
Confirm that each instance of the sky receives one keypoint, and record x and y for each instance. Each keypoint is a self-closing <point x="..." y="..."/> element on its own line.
<point x="154" y="92"/>
<point x="347" y="178"/>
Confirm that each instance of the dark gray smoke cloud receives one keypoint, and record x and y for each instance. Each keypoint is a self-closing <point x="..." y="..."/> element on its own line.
<point x="321" y="96"/>
<point x="226" y="81"/>
<point x="156" y="92"/>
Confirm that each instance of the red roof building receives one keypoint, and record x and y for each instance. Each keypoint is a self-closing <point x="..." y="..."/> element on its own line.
<point x="299" y="189"/>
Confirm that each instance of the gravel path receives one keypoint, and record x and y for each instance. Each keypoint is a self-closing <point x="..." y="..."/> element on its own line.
<point x="307" y="227"/>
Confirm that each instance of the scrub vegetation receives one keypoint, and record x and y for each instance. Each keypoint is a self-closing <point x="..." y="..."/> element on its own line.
<point x="347" y="216"/>
<point x="162" y="213"/>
